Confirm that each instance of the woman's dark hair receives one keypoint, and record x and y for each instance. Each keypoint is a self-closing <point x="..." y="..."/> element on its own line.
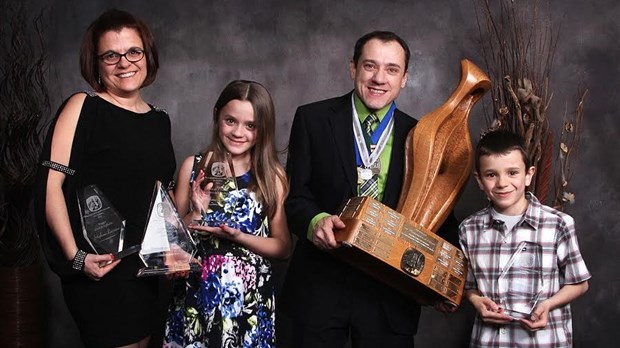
<point x="115" y="20"/>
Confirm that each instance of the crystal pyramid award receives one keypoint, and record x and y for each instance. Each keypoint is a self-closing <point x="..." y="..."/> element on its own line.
<point x="521" y="281"/>
<point x="102" y="226"/>
<point x="219" y="171"/>
<point x="167" y="246"/>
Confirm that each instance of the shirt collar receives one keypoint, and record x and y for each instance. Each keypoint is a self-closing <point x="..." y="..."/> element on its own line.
<point x="531" y="216"/>
<point x="362" y="110"/>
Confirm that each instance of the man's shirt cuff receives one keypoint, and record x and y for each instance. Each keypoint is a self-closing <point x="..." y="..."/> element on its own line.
<point x="313" y="223"/>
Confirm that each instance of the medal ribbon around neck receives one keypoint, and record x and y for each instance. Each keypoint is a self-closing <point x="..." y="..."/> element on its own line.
<point x="379" y="136"/>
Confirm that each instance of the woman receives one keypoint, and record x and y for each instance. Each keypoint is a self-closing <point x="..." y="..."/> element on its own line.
<point x="113" y="139"/>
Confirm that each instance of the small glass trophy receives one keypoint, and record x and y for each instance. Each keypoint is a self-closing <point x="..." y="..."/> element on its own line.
<point x="102" y="226"/>
<point x="521" y="281"/>
<point x="167" y="246"/>
<point x="220" y="172"/>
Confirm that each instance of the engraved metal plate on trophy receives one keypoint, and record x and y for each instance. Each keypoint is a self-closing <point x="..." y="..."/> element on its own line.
<point x="521" y="280"/>
<point x="167" y="245"/>
<point x="102" y="226"/>
<point x="219" y="172"/>
<point x="383" y="243"/>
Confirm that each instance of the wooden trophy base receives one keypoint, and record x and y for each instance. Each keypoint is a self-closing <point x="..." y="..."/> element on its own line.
<point x="395" y="250"/>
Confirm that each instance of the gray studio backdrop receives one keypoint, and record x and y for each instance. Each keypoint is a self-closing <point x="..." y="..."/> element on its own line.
<point x="300" y="51"/>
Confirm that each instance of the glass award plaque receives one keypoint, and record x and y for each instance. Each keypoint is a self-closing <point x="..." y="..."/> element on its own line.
<point x="167" y="245"/>
<point x="102" y="226"/>
<point x="219" y="171"/>
<point x="521" y="281"/>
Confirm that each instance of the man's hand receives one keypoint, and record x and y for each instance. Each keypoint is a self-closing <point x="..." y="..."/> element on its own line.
<point x="323" y="235"/>
<point x="445" y="307"/>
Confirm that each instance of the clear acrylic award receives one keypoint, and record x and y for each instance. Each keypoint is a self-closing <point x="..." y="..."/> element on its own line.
<point x="102" y="226"/>
<point x="167" y="245"/>
<point x="219" y="171"/>
<point x="521" y="281"/>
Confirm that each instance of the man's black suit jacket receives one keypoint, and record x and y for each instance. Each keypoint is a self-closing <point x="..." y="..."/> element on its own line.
<point x="322" y="171"/>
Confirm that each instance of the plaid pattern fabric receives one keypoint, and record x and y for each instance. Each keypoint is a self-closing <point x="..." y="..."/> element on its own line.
<point x="488" y="247"/>
<point x="369" y="187"/>
<point x="368" y="122"/>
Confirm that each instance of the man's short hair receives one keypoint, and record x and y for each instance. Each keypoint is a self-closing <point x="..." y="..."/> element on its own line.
<point x="384" y="36"/>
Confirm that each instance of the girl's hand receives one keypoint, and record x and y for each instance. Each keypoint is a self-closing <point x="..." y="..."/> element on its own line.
<point x="178" y="262"/>
<point x="222" y="231"/>
<point x="199" y="196"/>
<point x="97" y="266"/>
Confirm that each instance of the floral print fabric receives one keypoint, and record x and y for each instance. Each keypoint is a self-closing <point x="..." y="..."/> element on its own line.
<point x="231" y="303"/>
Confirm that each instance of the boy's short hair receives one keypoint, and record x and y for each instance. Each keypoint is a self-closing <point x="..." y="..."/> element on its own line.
<point x="500" y="142"/>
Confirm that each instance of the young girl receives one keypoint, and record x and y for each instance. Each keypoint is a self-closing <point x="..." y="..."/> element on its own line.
<point x="231" y="303"/>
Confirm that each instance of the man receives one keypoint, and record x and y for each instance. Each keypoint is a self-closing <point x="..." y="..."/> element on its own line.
<point x="335" y="154"/>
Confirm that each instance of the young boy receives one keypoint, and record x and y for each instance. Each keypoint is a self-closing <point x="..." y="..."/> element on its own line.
<point x="548" y="267"/>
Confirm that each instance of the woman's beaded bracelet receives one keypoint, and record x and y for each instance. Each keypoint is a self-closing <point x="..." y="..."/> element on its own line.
<point x="78" y="260"/>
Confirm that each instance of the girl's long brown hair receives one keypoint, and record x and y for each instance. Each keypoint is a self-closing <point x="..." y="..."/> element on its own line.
<point x="265" y="167"/>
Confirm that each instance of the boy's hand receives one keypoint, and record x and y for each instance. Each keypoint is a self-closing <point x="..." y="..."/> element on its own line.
<point x="489" y="311"/>
<point x="538" y="319"/>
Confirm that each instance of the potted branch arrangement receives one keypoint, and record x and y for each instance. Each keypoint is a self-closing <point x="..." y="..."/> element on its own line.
<point x="24" y="107"/>
<point x="518" y="46"/>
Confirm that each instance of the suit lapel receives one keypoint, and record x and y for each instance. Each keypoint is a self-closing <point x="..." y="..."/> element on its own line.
<point x="342" y="133"/>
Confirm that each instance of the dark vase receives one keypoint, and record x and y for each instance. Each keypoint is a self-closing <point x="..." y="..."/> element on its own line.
<point x="21" y="306"/>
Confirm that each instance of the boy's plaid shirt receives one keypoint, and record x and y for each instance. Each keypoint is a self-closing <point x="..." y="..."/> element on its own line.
<point x="488" y="248"/>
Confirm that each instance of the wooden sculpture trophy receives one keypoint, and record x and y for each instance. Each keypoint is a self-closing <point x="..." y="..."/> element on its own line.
<point x="400" y="247"/>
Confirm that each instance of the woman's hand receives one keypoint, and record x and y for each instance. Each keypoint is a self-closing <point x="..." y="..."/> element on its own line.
<point x="97" y="266"/>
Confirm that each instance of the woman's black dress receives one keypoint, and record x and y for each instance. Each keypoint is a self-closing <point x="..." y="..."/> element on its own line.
<point x="123" y="153"/>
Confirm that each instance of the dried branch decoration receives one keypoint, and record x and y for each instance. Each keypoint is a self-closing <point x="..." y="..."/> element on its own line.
<point x="518" y="46"/>
<point x="569" y="143"/>
<point x="24" y="110"/>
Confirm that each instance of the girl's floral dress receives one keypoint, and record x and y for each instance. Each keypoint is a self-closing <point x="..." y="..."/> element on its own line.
<point x="231" y="303"/>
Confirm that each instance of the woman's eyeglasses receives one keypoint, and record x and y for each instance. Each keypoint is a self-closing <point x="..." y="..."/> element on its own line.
<point x="111" y="57"/>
